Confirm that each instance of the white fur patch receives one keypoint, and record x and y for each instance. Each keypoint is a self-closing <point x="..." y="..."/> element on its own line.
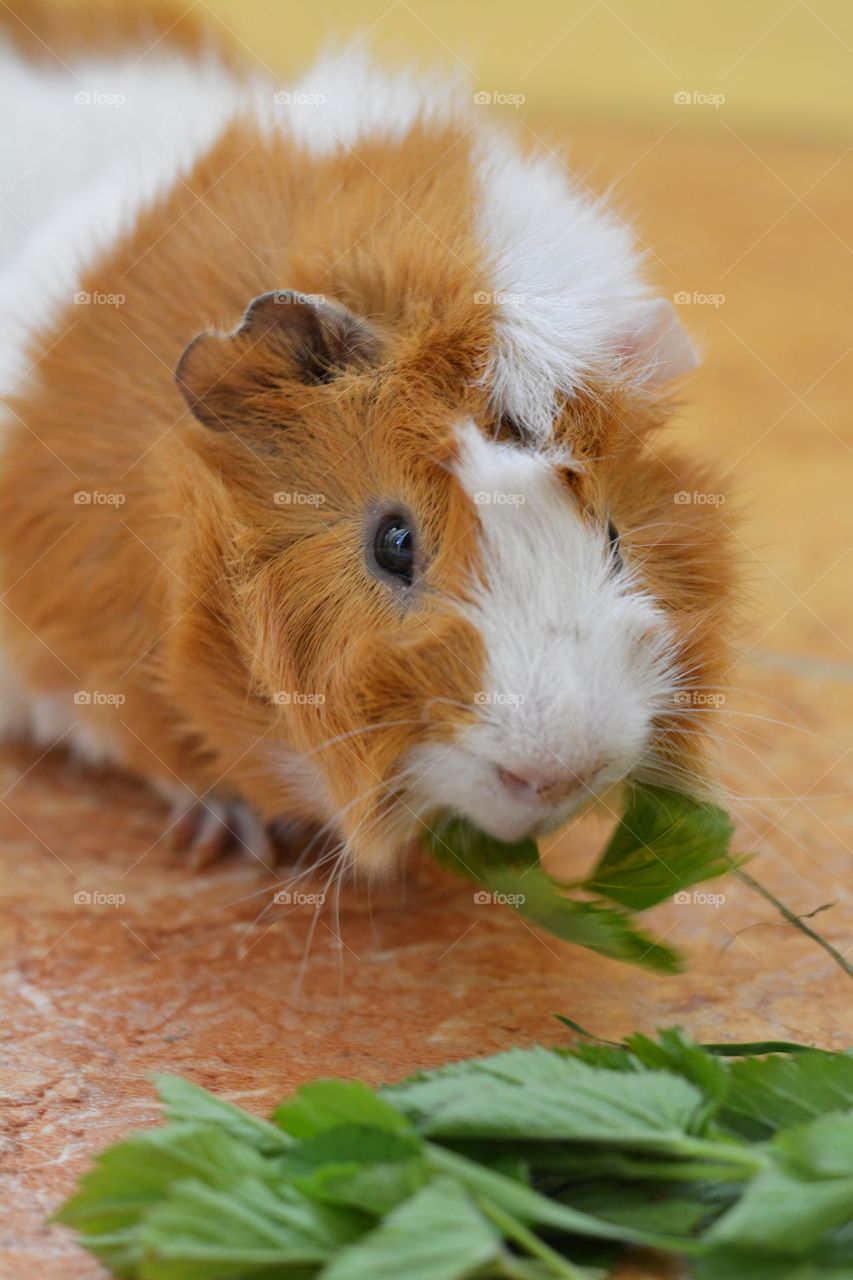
<point x="347" y="96"/>
<point x="566" y="277"/>
<point x="84" y="150"/>
<point x="578" y="659"/>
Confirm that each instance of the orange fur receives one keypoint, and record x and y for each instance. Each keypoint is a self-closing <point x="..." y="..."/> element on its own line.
<point x="201" y="599"/>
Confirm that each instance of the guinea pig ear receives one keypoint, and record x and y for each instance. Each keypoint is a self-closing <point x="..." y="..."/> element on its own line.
<point x="657" y="345"/>
<point x="284" y="337"/>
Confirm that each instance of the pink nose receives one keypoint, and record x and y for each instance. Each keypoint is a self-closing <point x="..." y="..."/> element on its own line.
<point x="536" y="787"/>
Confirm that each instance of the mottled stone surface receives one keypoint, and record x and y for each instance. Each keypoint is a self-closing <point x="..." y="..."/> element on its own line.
<point x="197" y="974"/>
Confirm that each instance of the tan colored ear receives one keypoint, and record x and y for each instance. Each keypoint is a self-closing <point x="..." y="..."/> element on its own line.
<point x="284" y="337"/>
<point x="658" y="346"/>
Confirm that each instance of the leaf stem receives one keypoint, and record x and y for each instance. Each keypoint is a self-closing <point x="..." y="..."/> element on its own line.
<point x="516" y="1231"/>
<point x="795" y="920"/>
<point x="534" y="1208"/>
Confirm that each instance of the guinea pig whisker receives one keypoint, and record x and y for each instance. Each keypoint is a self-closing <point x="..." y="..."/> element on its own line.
<point x="318" y="907"/>
<point x="741" y="689"/>
<point x="353" y="733"/>
<point x="750" y="715"/>
<point x="286" y="885"/>
<point x="448" y="702"/>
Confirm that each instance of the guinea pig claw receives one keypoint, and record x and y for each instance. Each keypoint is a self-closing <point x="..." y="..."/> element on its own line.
<point x="208" y="830"/>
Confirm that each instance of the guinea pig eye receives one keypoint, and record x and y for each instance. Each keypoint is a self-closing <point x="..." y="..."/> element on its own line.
<point x="394" y="548"/>
<point x="615" y="552"/>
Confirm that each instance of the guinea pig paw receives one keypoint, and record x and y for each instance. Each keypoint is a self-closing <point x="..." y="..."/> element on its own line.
<point x="207" y="830"/>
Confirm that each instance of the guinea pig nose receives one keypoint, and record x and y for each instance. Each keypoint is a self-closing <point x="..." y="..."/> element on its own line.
<point x="520" y="787"/>
<point x="534" y="787"/>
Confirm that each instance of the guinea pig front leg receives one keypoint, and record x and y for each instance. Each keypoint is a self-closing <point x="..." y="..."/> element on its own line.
<point x="207" y="829"/>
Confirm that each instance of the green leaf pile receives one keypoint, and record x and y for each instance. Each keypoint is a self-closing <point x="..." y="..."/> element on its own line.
<point x="664" y="843"/>
<point x="529" y="1164"/>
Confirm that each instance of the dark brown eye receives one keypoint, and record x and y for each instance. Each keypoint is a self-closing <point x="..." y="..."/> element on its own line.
<point x="394" y="548"/>
<point x="615" y="547"/>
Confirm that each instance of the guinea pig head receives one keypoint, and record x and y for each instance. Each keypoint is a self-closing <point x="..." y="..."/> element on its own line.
<point x="440" y="615"/>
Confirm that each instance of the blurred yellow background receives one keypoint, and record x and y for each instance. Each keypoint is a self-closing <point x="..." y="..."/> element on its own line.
<point x="779" y="64"/>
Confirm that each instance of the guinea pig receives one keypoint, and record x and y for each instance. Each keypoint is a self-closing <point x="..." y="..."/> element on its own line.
<point x="334" y="490"/>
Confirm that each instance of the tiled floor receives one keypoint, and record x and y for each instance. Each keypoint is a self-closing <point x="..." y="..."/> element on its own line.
<point x="190" y="974"/>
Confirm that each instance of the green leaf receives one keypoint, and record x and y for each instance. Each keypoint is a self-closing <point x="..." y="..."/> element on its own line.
<point x="734" y="1264"/>
<point x="369" y="1169"/>
<point x="514" y="874"/>
<point x="731" y="1049"/>
<point x="789" y="1209"/>
<point x="538" y="1094"/>
<point x="247" y="1229"/>
<point x="189" y="1102"/>
<point x="437" y="1235"/>
<point x="351" y="1144"/>
<point x="327" y="1104"/>
<point x="755" y="1047"/>
<point x="822" y="1149"/>
<point x="637" y="1206"/>
<point x="767" y="1094"/>
<point x="374" y="1189"/>
<point x="543" y="1148"/>
<point x="133" y="1176"/>
<point x="665" y="841"/>
<point x="674" y="1052"/>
